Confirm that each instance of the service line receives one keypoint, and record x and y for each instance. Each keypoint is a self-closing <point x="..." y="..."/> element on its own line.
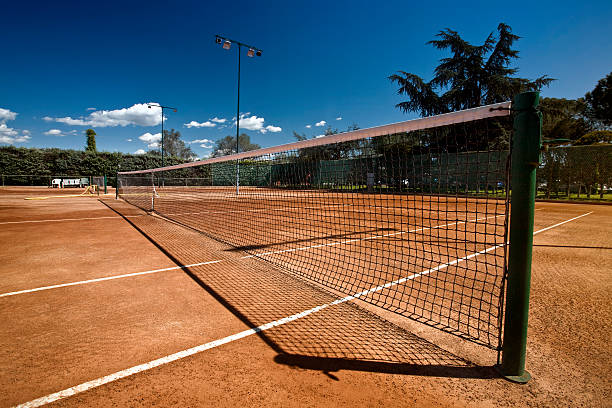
<point x="71" y="219"/>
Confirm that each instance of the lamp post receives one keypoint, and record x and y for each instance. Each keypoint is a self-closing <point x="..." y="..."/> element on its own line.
<point x="227" y="43"/>
<point x="162" y="125"/>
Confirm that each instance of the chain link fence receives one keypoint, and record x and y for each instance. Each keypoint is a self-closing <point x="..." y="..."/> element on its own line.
<point x="576" y="173"/>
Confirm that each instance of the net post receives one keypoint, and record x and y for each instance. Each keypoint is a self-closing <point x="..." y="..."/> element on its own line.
<point x="526" y="148"/>
<point x="105" y="187"/>
<point x="117" y="186"/>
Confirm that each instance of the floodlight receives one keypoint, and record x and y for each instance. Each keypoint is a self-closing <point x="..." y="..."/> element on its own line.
<point x="250" y="52"/>
<point x="227" y="44"/>
<point x="218" y="40"/>
<point x="258" y="53"/>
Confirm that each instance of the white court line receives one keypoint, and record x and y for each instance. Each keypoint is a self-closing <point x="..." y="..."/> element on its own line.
<point x="561" y="223"/>
<point x="62" y="285"/>
<point x="348" y="241"/>
<point x="255" y="210"/>
<point x="70" y="219"/>
<point x="127" y="275"/>
<point x="68" y="392"/>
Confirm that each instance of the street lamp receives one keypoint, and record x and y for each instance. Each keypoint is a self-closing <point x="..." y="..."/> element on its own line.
<point x="162" y="123"/>
<point x="226" y="44"/>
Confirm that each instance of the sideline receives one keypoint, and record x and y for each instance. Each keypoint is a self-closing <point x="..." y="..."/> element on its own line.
<point x="216" y="343"/>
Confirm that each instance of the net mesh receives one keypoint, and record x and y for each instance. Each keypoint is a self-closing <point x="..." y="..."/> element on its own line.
<point x="410" y="217"/>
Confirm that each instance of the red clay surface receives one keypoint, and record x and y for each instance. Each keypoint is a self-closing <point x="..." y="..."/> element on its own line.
<point x="342" y="355"/>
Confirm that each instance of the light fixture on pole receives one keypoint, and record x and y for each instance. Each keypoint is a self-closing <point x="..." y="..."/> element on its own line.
<point x="252" y="51"/>
<point x="150" y="105"/>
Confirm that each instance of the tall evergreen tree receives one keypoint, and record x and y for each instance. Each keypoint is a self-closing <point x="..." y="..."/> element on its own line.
<point x="91" y="141"/>
<point x="599" y="102"/>
<point x="472" y="76"/>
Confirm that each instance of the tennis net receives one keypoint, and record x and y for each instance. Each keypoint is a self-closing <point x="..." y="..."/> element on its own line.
<point x="411" y="217"/>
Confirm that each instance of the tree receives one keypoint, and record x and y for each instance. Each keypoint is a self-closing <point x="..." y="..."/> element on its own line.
<point x="175" y="147"/>
<point x="472" y="76"/>
<point x="91" y="141"/>
<point x="563" y="119"/>
<point x="227" y="145"/>
<point x="595" y="137"/>
<point x="599" y="102"/>
<point x="333" y="151"/>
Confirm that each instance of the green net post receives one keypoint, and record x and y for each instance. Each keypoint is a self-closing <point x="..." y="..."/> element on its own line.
<point x="117" y="186"/>
<point x="105" y="187"/>
<point x="526" y="148"/>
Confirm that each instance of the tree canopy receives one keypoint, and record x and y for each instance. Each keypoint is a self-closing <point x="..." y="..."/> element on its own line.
<point x="227" y="145"/>
<point x="595" y="137"/>
<point x="175" y="147"/>
<point x="91" y="141"/>
<point x="472" y="76"/>
<point x="599" y="102"/>
<point x="563" y="119"/>
<point x="328" y="152"/>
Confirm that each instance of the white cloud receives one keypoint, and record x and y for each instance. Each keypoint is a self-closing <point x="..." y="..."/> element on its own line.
<point x="273" y="129"/>
<point x="204" y="143"/>
<point x="10" y="140"/>
<point x="70" y="121"/>
<point x="10" y="135"/>
<point x="139" y="114"/>
<point x="129" y="140"/>
<point x="321" y="123"/>
<point x="193" y="123"/>
<point x="151" y="140"/>
<point x="217" y="120"/>
<point x="308" y="126"/>
<point x="90" y="109"/>
<point x="6" y="115"/>
<point x="7" y="131"/>
<point x="140" y="151"/>
<point x="54" y="132"/>
<point x="316" y="137"/>
<point x="339" y="118"/>
<point x="256" y="123"/>
<point x="251" y="122"/>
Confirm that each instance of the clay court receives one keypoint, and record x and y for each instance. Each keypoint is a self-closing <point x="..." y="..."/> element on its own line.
<point x="106" y="305"/>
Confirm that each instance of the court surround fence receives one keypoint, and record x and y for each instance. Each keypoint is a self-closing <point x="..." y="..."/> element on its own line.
<point x="576" y="173"/>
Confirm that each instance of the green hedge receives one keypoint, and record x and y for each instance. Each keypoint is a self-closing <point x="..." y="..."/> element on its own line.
<point x="58" y="162"/>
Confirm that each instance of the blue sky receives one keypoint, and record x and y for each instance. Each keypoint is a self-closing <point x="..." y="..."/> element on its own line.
<point x="67" y="66"/>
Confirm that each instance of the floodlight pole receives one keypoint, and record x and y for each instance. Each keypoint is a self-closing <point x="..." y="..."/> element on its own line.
<point x="162" y="126"/>
<point x="238" y="126"/>
<point x="252" y="51"/>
